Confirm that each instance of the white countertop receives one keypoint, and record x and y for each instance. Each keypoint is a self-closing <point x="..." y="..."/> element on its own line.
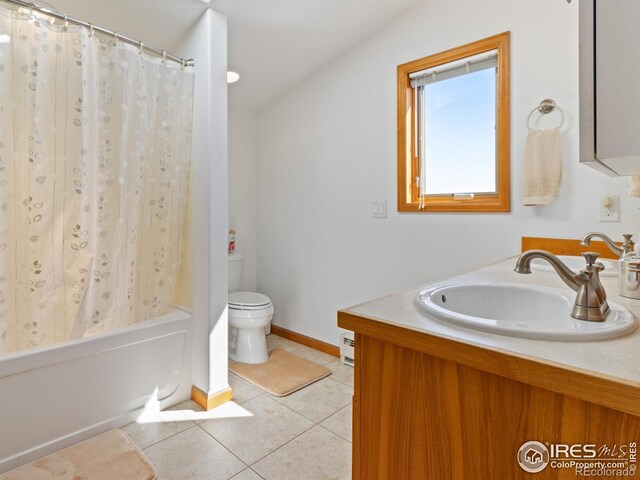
<point x="618" y="357"/>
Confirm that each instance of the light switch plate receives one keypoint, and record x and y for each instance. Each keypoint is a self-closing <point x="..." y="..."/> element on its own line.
<point x="609" y="208"/>
<point x="379" y="209"/>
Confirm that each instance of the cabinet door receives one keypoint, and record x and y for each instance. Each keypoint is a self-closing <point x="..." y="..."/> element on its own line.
<point x="610" y="85"/>
<point x="617" y="59"/>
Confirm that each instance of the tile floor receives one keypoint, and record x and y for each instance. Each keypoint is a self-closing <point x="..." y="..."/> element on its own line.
<point x="306" y="435"/>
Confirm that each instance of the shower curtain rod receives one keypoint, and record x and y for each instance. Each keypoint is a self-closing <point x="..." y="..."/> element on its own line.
<point x="116" y="36"/>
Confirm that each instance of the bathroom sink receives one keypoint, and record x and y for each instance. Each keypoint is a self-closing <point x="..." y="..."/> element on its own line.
<point x="576" y="264"/>
<point x="519" y="311"/>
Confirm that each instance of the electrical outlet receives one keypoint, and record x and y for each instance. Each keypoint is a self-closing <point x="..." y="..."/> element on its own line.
<point x="609" y="208"/>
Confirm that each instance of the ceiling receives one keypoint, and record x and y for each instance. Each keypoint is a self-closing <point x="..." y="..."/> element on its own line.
<point x="273" y="44"/>
<point x="160" y="23"/>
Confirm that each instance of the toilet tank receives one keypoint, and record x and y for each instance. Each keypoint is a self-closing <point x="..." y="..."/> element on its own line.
<point x="236" y="261"/>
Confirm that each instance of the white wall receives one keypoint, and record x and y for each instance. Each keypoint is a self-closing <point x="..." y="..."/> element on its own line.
<point x="243" y="189"/>
<point x="207" y="44"/>
<point x="328" y="149"/>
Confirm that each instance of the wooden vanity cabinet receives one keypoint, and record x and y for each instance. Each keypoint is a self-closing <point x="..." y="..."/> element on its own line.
<point x="432" y="408"/>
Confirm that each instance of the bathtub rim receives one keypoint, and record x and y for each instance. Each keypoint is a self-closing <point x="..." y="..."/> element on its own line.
<point x="29" y="359"/>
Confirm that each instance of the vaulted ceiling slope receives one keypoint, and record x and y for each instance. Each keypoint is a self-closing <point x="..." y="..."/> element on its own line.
<point x="275" y="44"/>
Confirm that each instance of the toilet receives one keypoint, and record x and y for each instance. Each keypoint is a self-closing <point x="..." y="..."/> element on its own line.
<point x="250" y="317"/>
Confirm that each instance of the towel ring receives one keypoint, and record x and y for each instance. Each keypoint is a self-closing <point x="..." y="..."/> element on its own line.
<point x="546" y="106"/>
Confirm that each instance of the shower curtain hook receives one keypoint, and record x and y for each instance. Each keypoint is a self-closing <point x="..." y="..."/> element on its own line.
<point x="164" y="56"/>
<point x="184" y="63"/>
<point x="90" y="29"/>
<point x="115" y="39"/>
<point x="66" y="23"/>
<point x="140" y="47"/>
<point x="31" y="10"/>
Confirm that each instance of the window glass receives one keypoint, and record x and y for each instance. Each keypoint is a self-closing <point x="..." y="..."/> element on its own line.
<point x="458" y="143"/>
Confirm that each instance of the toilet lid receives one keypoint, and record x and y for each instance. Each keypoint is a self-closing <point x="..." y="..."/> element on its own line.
<point x="248" y="300"/>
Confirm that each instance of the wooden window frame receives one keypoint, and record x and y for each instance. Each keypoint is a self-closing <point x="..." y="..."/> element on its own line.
<point x="408" y="161"/>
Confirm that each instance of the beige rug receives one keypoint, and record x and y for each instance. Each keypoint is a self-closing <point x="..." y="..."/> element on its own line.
<point x="108" y="456"/>
<point x="282" y="374"/>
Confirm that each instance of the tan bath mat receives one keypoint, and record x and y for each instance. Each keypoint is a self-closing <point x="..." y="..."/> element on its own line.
<point x="282" y="374"/>
<point x="108" y="456"/>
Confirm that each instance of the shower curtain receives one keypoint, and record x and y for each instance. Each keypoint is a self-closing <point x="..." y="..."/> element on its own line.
<point x="94" y="170"/>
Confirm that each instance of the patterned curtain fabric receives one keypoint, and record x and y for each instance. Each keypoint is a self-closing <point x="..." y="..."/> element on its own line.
<point x="94" y="169"/>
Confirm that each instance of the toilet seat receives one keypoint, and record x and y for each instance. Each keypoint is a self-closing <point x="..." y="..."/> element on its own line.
<point x="248" y="301"/>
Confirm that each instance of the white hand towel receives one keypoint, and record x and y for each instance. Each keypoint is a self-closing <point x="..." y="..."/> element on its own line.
<point x="634" y="188"/>
<point x="542" y="170"/>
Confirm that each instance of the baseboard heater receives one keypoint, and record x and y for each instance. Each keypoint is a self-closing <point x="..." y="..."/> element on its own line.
<point x="347" y="343"/>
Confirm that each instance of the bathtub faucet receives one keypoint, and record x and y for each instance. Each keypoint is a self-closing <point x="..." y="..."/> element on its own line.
<point x="591" y="299"/>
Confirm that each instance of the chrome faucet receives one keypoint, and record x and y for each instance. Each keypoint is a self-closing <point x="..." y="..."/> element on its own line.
<point x="591" y="299"/>
<point x="621" y="251"/>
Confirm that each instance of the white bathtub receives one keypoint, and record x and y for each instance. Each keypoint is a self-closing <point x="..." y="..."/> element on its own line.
<point x="61" y="394"/>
